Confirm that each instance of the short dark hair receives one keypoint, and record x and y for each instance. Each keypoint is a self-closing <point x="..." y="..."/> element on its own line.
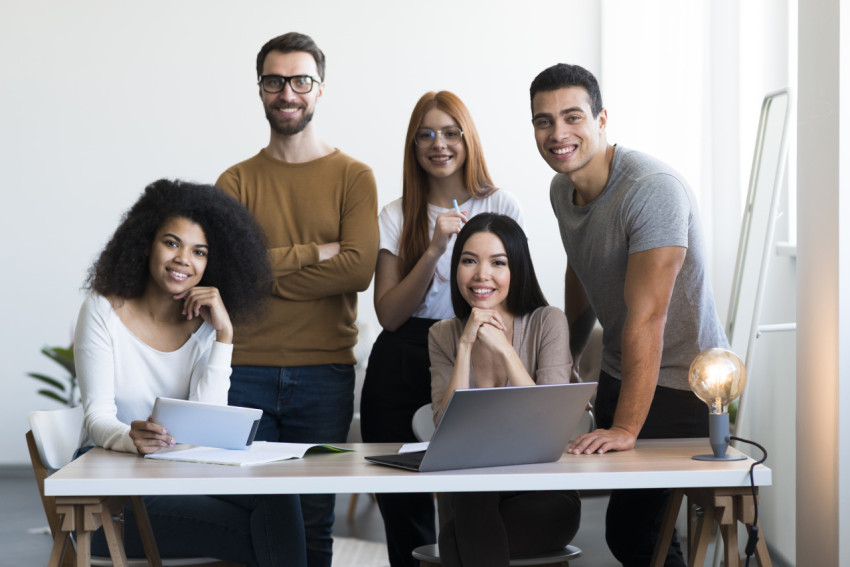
<point x="238" y="260"/>
<point x="562" y="76"/>
<point x="524" y="293"/>
<point x="288" y="43"/>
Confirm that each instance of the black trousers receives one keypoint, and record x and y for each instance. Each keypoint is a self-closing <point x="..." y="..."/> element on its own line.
<point x="397" y="383"/>
<point x="634" y="517"/>
<point x="486" y="529"/>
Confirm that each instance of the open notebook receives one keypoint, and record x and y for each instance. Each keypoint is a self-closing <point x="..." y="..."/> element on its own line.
<point x="260" y="452"/>
<point x="490" y="427"/>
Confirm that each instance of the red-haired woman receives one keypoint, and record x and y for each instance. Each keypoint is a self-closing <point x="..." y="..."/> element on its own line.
<point x="445" y="183"/>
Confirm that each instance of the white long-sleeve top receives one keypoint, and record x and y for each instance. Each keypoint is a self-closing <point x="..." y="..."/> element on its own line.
<point x="120" y="376"/>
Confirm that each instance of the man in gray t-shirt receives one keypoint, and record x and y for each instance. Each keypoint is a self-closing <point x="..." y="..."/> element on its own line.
<point x="644" y="206"/>
<point x="636" y="261"/>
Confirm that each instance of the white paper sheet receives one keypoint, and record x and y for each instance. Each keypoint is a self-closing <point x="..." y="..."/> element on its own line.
<point x="414" y="447"/>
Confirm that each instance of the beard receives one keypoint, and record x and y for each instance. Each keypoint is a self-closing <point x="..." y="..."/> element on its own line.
<point x="287" y="127"/>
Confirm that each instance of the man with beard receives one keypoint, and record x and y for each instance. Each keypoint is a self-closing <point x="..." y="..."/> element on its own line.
<point x="318" y="207"/>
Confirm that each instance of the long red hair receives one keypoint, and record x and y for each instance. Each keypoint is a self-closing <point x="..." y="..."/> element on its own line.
<point x="414" y="197"/>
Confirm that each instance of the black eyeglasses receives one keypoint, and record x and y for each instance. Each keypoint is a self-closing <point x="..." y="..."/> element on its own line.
<point x="425" y="136"/>
<point x="301" y="84"/>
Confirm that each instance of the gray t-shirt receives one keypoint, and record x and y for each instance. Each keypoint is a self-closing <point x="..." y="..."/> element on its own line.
<point x="645" y="205"/>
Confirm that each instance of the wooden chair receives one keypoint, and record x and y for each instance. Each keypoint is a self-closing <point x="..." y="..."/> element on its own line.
<point x="52" y="441"/>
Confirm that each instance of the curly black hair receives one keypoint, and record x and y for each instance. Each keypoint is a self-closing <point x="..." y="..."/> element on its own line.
<point x="238" y="262"/>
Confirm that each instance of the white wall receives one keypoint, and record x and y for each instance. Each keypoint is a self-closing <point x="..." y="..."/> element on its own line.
<point x="101" y="98"/>
<point x="823" y="337"/>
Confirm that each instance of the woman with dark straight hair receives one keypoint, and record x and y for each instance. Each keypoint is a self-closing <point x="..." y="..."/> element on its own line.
<point x="445" y="183"/>
<point x="504" y="334"/>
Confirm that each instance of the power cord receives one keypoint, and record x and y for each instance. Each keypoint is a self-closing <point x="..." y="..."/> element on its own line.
<point x="753" y="530"/>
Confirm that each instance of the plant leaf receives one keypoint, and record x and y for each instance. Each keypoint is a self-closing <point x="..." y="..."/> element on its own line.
<point x="64" y="356"/>
<point x="65" y="352"/>
<point x="54" y="396"/>
<point x="48" y="380"/>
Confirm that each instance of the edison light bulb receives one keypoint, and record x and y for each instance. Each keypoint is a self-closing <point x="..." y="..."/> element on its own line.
<point x="717" y="376"/>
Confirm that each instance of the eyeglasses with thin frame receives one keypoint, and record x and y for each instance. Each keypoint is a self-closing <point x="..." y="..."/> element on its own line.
<point x="425" y="137"/>
<point x="301" y="84"/>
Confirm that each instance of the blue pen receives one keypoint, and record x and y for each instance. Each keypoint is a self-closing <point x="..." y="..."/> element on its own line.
<point x="454" y="202"/>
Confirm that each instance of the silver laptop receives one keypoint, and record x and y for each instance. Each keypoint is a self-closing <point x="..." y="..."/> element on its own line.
<point x="491" y="427"/>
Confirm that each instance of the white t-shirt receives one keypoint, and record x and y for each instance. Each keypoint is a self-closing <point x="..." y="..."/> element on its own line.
<point x="438" y="301"/>
<point x="120" y="376"/>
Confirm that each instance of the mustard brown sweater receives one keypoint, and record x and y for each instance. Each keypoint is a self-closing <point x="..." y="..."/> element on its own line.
<point x="310" y="318"/>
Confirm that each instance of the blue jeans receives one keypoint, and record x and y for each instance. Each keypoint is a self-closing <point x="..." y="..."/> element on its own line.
<point x="301" y="404"/>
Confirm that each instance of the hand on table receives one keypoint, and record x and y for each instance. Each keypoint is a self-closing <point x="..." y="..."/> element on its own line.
<point x="602" y="441"/>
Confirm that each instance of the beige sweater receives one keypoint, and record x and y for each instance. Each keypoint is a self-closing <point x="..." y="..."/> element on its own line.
<point x="310" y="317"/>
<point x="541" y="338"/>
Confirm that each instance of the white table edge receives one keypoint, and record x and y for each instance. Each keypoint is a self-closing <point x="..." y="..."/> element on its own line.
<point x="349" y="473"/>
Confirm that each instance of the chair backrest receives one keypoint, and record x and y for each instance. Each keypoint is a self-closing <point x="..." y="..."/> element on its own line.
<point x="52" y="441"/>
<point x="57" y="435"/>
<point x="54" y="438"/>
<point x="423" y="423"/>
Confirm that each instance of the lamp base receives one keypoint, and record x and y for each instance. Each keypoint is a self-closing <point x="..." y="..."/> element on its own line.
<point x="723" y="458"/>
<point x="718" y="432"/>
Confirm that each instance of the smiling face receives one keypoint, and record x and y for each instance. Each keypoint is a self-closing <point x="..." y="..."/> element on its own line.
<point x="178" y="255"/>
<point x="288" y="112"/>
<point x="483" y="275"/>
<point x="568" y="136"/>
<point x="439" y="159"/>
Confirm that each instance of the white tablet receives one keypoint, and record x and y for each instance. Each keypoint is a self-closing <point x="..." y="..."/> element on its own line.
<point x="210" y="425"/>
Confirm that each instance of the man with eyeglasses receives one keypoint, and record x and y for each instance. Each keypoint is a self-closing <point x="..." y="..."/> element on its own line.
<point x="636" y="261"/>
<point x="318" y="207"/>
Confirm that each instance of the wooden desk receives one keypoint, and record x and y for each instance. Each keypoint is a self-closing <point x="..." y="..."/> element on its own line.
<point x="652" y="464"/>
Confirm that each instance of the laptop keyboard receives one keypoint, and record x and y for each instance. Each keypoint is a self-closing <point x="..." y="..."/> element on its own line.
<point x="404" y="460"/>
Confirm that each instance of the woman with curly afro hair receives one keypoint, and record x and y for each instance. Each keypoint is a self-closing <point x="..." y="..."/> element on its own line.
<point x="185" y="260"/>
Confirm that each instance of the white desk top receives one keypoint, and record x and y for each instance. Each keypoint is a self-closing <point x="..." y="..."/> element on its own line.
<point x="652" y="464"/>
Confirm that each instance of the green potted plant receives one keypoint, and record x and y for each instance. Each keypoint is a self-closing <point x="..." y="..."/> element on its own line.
<point x="64" y="389"/>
